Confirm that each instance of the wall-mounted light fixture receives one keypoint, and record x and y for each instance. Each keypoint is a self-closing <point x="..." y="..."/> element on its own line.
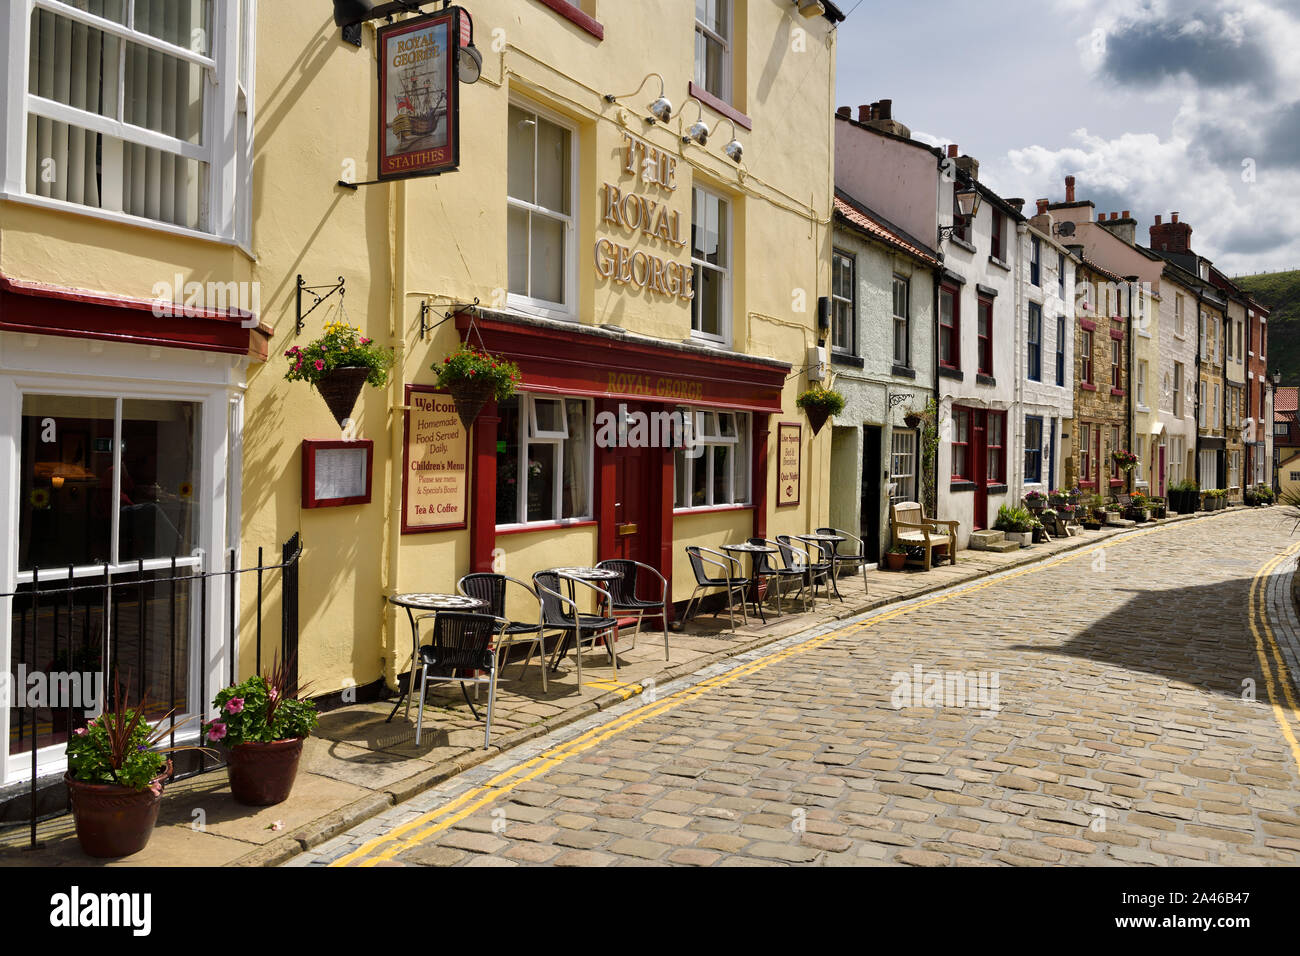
<point x="699" y="133"/>
<point x="811" y="8"/>
<point x="968" y="205"/>
<point x="660" y="108"/>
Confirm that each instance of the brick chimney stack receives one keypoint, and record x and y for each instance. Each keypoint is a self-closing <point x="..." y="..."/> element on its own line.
<point x="1123" y="226"/>
<point x="880" y="116"/>
<point x="1172" y="236"/>
<point x="845" y="111"/>
<point x="1069" y="189"/>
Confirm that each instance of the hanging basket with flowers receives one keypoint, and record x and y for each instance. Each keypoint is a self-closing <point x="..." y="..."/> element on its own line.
<point x="820" y="403"/>
<point x="339" y="364"/>
<point x="474" y="378"/>
<point x="1125" y="459"/>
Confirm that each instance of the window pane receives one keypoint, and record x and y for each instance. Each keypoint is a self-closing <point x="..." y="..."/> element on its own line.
<point x="65" y="493"/>
<point x="577" y="453"/>
<point x="553" y="178"/>
<point x="517" y="250"/>
<point x="159" y="483"/>
<point x="721" y="474"/>
<point x="508" y="487"/>
<point x="542" y="468"/>
<point x="681" y="465"/>
<point x="706" y="307"/>
<point x="519" y="175"/>
<point x="180" y="22"/>
<point x="713" y="14"/>
<point x="700" y="481"/>
<point x="547" y="281"/>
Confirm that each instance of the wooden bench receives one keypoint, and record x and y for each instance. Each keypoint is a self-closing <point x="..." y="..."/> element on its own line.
<point x="912" y="529"/>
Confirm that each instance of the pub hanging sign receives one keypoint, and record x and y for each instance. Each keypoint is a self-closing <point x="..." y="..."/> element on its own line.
<point x="419" y="104"/>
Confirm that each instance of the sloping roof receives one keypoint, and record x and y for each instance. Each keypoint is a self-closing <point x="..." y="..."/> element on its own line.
<point x="877" y="227"/>
<point x="1285" y="399"/>
<point x="1098" y="267"/>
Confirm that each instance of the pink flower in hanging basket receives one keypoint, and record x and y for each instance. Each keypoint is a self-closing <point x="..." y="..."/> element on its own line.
<point x="320" y="365"/>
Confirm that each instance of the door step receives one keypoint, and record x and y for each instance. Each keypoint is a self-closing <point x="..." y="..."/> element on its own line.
<point x="994" y="541"/>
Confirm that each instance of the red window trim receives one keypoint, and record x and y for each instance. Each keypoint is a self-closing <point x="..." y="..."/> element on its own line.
<point x="955" y="363"/>
<point x="1002" y="448"/>
<point x="309" y="448"/>
<point x="1117" y="335"/>
<point x="1117" y="391"/>
<point x="1088" y="386"/>
<point x="1088" y="484"/>
<point x="980" y="339"/>
<point x="575" y="15"/>
<point x="503" y="530"/>
<point x="1087" y="325"/>
<point x="718" y="105"/>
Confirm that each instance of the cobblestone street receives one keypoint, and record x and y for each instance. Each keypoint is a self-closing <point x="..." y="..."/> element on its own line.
<point x="1109" y="719"/>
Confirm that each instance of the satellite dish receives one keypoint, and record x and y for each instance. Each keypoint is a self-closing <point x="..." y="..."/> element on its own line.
<point x="1065" y="229"/>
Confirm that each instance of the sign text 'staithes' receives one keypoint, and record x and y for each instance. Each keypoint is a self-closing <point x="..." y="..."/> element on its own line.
<point x="638" y="214"/>
<point x="621" y="383"/>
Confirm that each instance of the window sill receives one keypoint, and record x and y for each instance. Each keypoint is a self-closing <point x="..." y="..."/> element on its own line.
<point x="982" y="379"/>
<point x="1088" y="386"/>
<point x="505" y="529"/>
<point x="844" y="358"/>
<point x="528" y="310"/>
<point x="1117" y="335"/>
<point x="123" y="219"/>
<point x="1087" y="325"/>
<point x="1142" y="409"/>
<point x="1117" y="392"/>
<point x="961" y="243"/>
<point x="961" y="484"/>
<point x="954" y="373"/>
<point x="1090" y="485"/>
<point x="576" y="16"/>
<point x="998" y="488"/>
<point x="995" y="261"/>
<point x="720" y="106"/>
<point x="903" y="371"/>
<point x="710" y="509"/>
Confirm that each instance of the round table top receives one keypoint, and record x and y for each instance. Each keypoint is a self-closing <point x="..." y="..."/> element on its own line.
<point x="751" y="548"/>
<point x="425" y="601"/>
<point x="587" y="574"/>
<point x="819" y="537"/>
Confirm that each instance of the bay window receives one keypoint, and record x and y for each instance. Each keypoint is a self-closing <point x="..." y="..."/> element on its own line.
<point x="544" y="460"/>
<point x="715" y="471"/>
<point x="137" y="109"/>
<point x="540" y="232"/>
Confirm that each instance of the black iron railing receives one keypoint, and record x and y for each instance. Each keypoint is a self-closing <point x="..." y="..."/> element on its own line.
<point x="139" y="623"/>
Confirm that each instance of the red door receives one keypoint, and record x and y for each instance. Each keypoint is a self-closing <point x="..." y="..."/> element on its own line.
<point x="979" y="467"/>
<point x="1162" y="471"/>
<point x="632" y="530"/>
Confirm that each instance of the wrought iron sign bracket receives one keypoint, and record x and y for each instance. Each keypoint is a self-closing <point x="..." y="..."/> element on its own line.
<point x="898" y="398"/>
<point x="456" y="309"/>
<point x="311" y="291"/>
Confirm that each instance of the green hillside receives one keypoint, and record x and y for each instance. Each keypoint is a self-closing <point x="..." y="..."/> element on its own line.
<point x="1280" y="292"/>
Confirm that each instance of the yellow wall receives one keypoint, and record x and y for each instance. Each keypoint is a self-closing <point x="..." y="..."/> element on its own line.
<point x="444" y="239"/>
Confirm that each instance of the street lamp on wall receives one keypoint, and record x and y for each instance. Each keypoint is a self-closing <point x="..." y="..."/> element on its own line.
<point x="968" y="205"/>
<point x="661" y="108"/>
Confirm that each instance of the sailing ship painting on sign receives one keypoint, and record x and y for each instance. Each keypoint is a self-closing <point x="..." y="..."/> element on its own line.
<point x="418" y="109"/>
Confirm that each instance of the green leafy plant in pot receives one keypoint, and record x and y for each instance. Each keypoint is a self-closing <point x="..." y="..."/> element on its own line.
<point x="896" y="558"/>
<point x="339" y="364"/>
<point x="820" y="403"/>
<point x="115" y="778"/>
<point x="263" y="723"/>
<point x="474" y="378"/>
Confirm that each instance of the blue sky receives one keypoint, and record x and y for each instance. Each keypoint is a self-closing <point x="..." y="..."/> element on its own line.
<point x="1154" y="106"/>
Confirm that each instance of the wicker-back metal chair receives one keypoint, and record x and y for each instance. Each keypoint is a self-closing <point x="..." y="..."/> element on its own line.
<point x="624" y="598"/>
<point x="734" y="580"/>
<point x="796" y="558"/>
<point x="764" y="568"/>
<point x="460" y="646"/>
<point x="848" y="557"/>
<point x="561" y="614"/>
<point x="491" y="590"/>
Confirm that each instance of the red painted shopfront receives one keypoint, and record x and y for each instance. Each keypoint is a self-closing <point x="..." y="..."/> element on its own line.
<point x="633" y="490"/>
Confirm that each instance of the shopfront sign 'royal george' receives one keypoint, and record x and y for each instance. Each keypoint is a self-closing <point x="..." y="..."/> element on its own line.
<point x="419" y="115"/>
<point x="644" y="216"/>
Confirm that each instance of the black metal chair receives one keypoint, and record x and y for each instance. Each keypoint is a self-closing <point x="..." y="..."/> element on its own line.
<point x="491" y="590"/>
<point x="734" y="583"/>
<point x="825" y="565"/>
<point x="796" y="558"/>
<point x="461" y="644"/>
<point x="843" y="558"/>
<point x="559" y="613"/>
<point x="623" y="594"/>
<point x="764" y="568"/>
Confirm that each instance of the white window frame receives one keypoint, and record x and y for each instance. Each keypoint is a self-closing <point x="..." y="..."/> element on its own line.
<point x="728" y="69"/>
<point x="726" y="318"/>
<point x="848" y="302"/>
<point x="905" y="319"/>
<point x="1142" y="383"/>
<point x="62" y="367"/>
<point x="568" y="309"/>
<point x="708" y="436"/>
<point x="555" y="441"/>
<point x="900" y="456"/>
<point x="225" y="132"/>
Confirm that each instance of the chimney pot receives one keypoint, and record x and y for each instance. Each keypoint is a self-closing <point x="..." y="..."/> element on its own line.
<point x="1114" y="216"/>
<point x="1069" y="189"/>
<point x="1173" y="217"/>
<point x="952" y="151"/>
<point x="1125" y="215"/>
<point x="845" y="111"/>
<point x="1158" y="220"/>
<point x="864" y="113"/>
<point x="1042" y="206"/>
<point x="886" y="109"/>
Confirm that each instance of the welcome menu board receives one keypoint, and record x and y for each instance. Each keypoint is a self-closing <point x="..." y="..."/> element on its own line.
<point x="435" y="481"/>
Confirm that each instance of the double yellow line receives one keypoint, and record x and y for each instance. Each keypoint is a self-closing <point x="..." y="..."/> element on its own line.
<point x="413" y="832"/>
<point x="1266" y="645"/>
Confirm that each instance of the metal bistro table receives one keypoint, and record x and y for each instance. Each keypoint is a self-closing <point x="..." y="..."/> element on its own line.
<point x="432" y="603"/>
<point x="833" y="540"/>
<point x="581" y="574"/>
<point x="753" y="550"/>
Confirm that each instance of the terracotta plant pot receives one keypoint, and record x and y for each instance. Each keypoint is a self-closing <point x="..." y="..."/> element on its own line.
<point x="817" y="416"/>
<point x="114" y="821"/>
<point x="470" y="397"/>
<point x="340" y="389"/>
<point x="895" y="562"/>
<point x="261" y="775"/>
